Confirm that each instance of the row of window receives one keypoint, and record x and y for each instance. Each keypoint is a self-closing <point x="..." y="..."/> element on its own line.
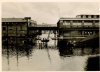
<point x="18" y="28"/>
<point x="77" y="33"/>
<point x="14" y="31"/>
<point x="30" y="24"/>
<point x="80" y="23"/>
<point x="14" y="34"/>
<point x="87" y="16"/>
<point x="88" y="33"/>
<point x="73" y="33"/>
<point x="12" y="23"/>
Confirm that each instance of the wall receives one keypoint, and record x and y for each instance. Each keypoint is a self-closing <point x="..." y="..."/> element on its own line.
<point x="21" y="29"/>
<point x="78" y="23"/>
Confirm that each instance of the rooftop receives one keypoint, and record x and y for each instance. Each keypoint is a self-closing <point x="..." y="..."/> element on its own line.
<point x="13" y="20"/>
<point x="79" y="18"/>
<point x="87" y="14"/>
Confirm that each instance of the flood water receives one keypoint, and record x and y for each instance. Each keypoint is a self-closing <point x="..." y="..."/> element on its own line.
<point x="34" y="58"/>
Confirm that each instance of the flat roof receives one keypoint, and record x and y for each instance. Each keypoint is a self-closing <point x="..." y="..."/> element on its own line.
<point x="79" y="18"/>
<point x="13" y="20"/>
<point x="88" y="14"/>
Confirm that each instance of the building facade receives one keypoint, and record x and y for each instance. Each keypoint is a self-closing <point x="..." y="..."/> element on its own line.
<point x="13" y="28"/>
<point x="75" y="29"/>
<point x="32" y="23"/>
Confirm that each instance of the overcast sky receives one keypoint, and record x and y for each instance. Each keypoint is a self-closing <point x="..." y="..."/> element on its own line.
<point x="48" y="12"/>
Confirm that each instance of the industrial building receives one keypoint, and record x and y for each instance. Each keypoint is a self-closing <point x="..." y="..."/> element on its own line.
<point x="17" y="29"/>
<point x="74" y="30"/>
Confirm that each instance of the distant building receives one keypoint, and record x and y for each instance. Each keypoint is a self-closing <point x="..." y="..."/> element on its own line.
<point x="47" y="25"/>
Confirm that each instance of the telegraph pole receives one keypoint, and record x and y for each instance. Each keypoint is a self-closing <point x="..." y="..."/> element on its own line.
<point x="59" y="12"/>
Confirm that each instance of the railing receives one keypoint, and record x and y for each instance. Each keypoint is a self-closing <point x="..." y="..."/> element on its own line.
<point x="87" y="23"/>
<point x="65" y="25"/>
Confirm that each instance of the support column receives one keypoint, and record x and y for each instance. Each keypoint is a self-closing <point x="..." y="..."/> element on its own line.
<point x="93" y="32"/>
<point x="70" y="35"/>
<point x="71" y="23"/>
<point x="82" y="33"/>
<point x="55" y="40"/>
<point x="82" y="23"/>
<point x="60" y="24"/>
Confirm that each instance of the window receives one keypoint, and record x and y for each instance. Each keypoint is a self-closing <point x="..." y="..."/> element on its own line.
<point x="4" y="28"/>
<point x="92" y="16"/>
<point x="81" y="16"/>
<point x="66" y="23"/>
<point x="85" y="33"/>
<point x="10" y="29"/>
<point x="97" y="16"/>
<point x="89" y="16"/>
<point x="88" y="33"/>
<point x="86" y="16"/>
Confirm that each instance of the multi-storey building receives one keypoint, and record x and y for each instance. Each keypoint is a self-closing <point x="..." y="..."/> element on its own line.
<point x="75" y="29"/>
<point x="13" y="28"/>
<point x="32" y="23"/>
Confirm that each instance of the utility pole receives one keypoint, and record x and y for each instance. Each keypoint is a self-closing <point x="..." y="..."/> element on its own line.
<point x="59" y="12"/>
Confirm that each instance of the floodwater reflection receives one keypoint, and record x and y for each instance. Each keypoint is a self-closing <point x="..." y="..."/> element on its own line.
<point x="31" y="58"/>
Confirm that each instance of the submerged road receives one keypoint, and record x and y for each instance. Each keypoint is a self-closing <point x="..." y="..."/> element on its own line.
<point x="47" y="59"/>
<point x="40" y="60"/>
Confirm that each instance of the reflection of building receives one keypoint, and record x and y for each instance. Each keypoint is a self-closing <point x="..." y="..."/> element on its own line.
<point x="75" y="29"/>
<point x="15" y="27"/>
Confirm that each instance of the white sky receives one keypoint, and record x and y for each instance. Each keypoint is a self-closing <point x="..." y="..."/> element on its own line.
<point x="48" y="12"/>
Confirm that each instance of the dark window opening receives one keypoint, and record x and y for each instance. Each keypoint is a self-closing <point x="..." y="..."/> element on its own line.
<point x="10" y="29"/>
<point x="86" y="16"/>
<point x="92" y="16"/>
<point x="81" y="16"/>
<point x="4" y="28"/>
<point x="96" y="31"/>
<point x="85" y="33"/>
